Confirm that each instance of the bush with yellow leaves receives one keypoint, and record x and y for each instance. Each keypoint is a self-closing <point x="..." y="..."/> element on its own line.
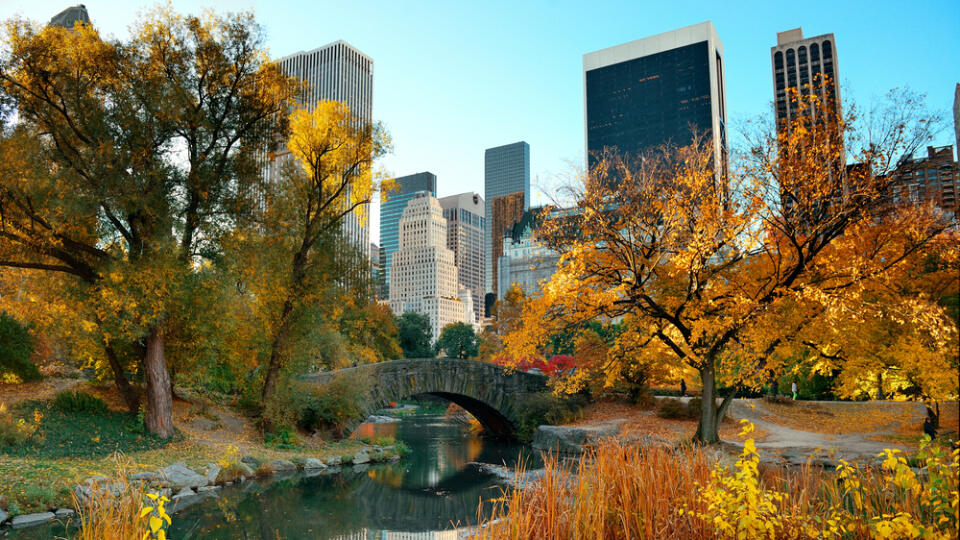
<point x="894" y="501"/>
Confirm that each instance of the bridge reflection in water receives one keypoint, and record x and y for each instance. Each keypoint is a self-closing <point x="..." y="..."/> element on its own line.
<point x="431" y="494"/>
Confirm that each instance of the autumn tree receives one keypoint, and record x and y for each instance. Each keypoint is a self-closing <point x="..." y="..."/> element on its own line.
<point x="896" y="336"/>
<point x="327" y="176"/>
<point x="505" y="317"/>
<point x="694" y="259"/>
<point x="129" y="161"/>
<point x="457" y="340"/>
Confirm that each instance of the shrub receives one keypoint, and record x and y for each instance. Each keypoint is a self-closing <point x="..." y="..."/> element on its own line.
<point x="671" y="408"/>
<point x="334" y="405"/>
<point x="15" y="431"/>
<point x="545" y="408"/>
<point x="282" y="439"/>
<point x="778" y="399"/>
<point x="79" y="402"/>
<point x="16" y="346"/>
<point x="644" y="398"/>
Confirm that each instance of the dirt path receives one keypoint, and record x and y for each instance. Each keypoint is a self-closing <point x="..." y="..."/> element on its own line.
<point x="848" y="445"/>
<point x="11" y="394"/>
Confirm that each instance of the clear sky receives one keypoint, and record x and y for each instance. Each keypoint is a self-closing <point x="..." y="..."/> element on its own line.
<point x="452" y="78"/>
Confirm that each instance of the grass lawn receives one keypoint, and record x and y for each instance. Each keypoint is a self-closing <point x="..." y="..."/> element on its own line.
<point x="70" y="447"/>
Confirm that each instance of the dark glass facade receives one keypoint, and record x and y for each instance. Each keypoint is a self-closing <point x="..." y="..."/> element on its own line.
<point x="642" y="103"/>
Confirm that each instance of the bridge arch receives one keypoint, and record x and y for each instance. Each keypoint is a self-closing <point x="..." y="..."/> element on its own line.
<point x="489" y="392"/>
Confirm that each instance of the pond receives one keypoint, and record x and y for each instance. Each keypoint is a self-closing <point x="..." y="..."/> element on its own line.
<point x="433" y="492"/>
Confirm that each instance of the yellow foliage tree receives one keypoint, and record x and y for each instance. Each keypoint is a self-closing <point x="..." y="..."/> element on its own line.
<point x="128" y="162"/>
<point x="328" y="175"/>
<point x="699" y="258"/>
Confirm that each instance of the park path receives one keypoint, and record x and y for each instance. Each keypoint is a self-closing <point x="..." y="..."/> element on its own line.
<point x="849" y="445"/>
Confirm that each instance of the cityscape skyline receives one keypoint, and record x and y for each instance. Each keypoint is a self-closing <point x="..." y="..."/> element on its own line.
<point x="536" y="95"/>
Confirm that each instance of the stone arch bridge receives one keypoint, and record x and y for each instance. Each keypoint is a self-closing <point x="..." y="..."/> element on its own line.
<point x="491" y="393"/>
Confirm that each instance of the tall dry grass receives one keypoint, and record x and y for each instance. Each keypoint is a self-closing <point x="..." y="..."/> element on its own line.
<point x="623" y="491"/>
<point x="112" y="512"/>
<point x="619" y="491"/>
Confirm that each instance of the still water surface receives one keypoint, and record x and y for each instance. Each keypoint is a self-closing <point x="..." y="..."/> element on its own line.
<point x="434" y="491"/>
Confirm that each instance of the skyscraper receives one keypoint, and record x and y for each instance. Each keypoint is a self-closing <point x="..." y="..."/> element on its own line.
<point x="336" y="71"/>
<point x="466" y="226"/>
<point x="392" y="206"/>
<point x="424" y="276"/>
<point x="956" y="118"/>
<point x="70" y="16"/>
<point x="507" y="211"/>
<point x="506" y="171"/>
<point x="654" y="91"/>
<point x="803" y="66"/>
<point x="934" y="178"/>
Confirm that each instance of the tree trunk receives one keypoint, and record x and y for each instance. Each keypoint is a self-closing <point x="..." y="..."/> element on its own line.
<point x="708" y="429"/>
<point x="159" y="401"/>
<point x="276" y="347"/>
<point x="120" y="379"/>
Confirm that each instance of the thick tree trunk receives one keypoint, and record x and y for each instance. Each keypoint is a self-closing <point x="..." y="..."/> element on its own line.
<point x="276" y="351"/>
<point x="708" y="430"/>
<point x="159" y="401"/>
<point x="120" y="379"/>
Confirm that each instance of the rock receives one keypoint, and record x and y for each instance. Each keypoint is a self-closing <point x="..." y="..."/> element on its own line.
<point x="207" y="489"/>
<point x="361" y="457"/>
<point x="82" y="493"/>
<point x="185" y="492"/>
<point x="234" y="473"/>
<point x="31" y="520"/>
<point x="274" y="466"/>
<point x="179" y="476"/>
<point x="251" y="461"/>
<point x="213" y="470"/>
<point x="333" y="461"/>
<point x="62" y="513"/>
<point x="3" y="516"/>
<point x="313" y="464"/>
<point x="144" y="476"/>
<point x="572" y="439"/>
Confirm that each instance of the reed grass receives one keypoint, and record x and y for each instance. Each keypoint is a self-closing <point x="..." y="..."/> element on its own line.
<point x="622" y="491"/>
<point x="112" y="512"/>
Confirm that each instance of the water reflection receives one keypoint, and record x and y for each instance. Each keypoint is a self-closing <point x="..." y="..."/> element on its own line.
<point x="430" y="494"/>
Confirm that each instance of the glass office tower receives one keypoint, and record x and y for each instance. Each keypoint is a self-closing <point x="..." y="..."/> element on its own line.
<point x="506" y="171"/>
<point x="654" y="91"/>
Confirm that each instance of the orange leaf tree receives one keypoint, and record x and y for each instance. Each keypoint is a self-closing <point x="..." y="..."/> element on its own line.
<point x="694" y="262"/>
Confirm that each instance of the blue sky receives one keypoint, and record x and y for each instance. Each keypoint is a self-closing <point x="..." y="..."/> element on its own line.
<point x="452" y="78"/>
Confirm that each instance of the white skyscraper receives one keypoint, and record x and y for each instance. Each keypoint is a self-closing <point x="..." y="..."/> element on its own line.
<point x="423" y="278"/>
<point x="339" y="72"/>
<point x="465" y="236"/>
